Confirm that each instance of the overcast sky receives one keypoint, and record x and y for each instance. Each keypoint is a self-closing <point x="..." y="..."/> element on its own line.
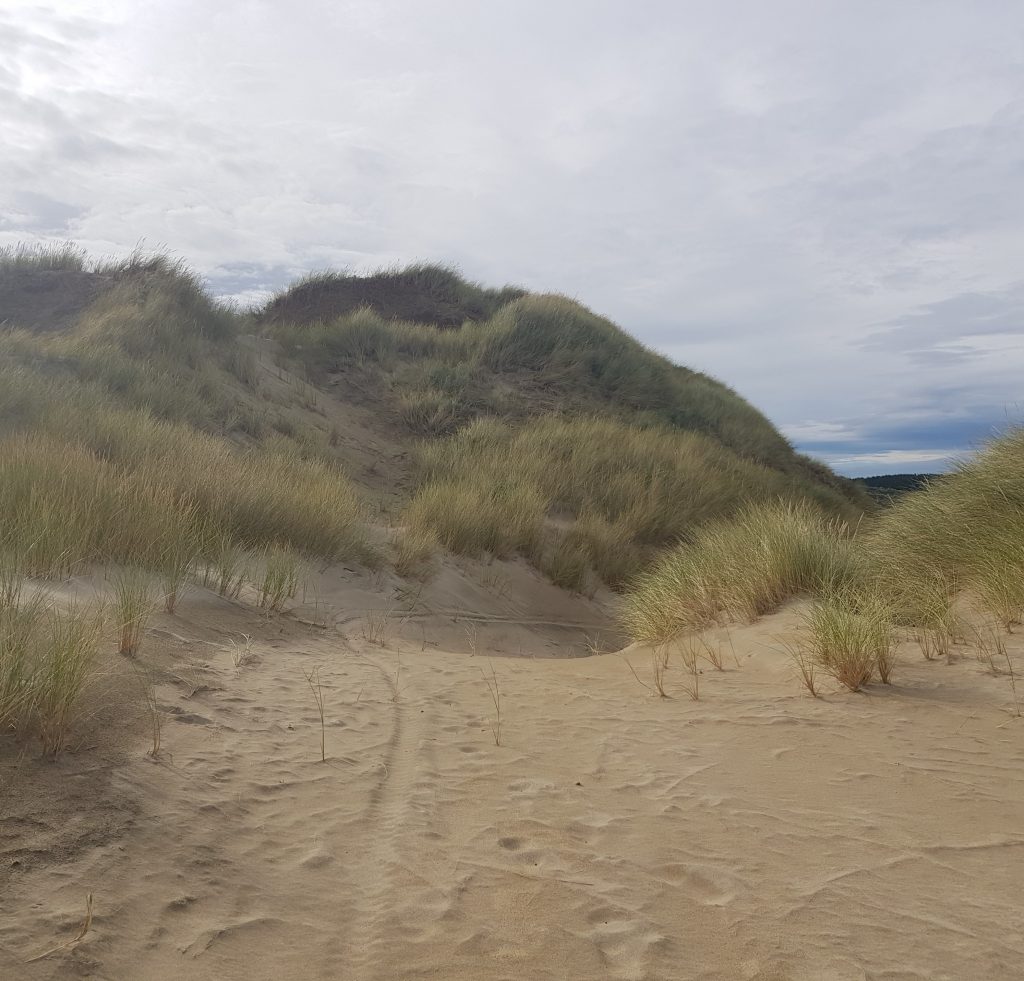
<point x="818" y="202"/>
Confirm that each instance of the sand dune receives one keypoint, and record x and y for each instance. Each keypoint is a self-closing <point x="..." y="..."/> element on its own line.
<point x="754" y="834"/>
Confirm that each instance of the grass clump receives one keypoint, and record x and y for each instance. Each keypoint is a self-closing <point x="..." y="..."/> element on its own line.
<point x="428" y="413"/>
<point x="567" y="564"/>
<point x="617" y="491"/>
<point x="573" y="349"/>
<point x="741" y="569"/>
<point x="852" y="639"/>
<point x="43" y="256"/>
<point x="956" y="543"/>
<point x="413" y="551"/>
<point x="428" y="293"/>
<point x="133" y="605"/>
<point x="47" y="656"/>
<point x="962" y="535"/>
<point x="63" y="670"/>
<point x="280" y="579"/>
<point x="473" y="517"/>
<point x="113" y="489"/>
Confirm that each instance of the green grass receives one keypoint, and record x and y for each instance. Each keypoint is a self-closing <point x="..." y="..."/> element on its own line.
<point x="852" y="638"/>
<point x="550" y="348"/>
<point x="617" y="491"/>
<point x="742" y="568"/>
<point x="573" y="350"/>
<point x="113" y="448"/>
<point x="962" y="534"/>
<point x="43" y="256"/>
<point x="606" y="451"/>
<point x="956" y="544"/>
<point x="47" y="658"/>
<point x="427" y="293"/>
<point x="124" y="443"/>
<point x="152" y="339"/>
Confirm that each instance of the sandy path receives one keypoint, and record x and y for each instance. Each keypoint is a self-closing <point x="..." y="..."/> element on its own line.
<point x="756" y="833"/>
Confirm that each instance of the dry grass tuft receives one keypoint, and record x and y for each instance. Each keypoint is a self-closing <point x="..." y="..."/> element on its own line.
<point x="133" y="605"/>
<point x="280" y="579"/>
<point x="414" y="550"/>
<point x="47" y="657"/>
<point x="852" y="638"/>
<point x="691" y="654"/>
<point x="741" y="569"/>
<point x="494" y="690"/>
<point x="377" y="626"/>
<point x="82" y="931"/>
<point x="313" y="680"/>
<point x="806" y="665"/>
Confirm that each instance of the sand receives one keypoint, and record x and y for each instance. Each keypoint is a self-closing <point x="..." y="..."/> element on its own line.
<point x="754" y="834"/>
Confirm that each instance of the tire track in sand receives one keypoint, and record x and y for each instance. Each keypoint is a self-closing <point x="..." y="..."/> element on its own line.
<point x="378" y="854"/>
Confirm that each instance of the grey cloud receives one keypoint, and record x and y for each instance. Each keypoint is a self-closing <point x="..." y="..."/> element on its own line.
<point x="825" y="214"/>
<point x="42" y="214"/>
<point x="942" y="423"/>
<point x="237" y="278"/>
<point x="952" y="319"/>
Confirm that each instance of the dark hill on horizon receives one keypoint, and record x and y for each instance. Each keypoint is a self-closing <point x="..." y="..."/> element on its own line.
<point x="420" y="293"/>
<point x="886" y="488"/>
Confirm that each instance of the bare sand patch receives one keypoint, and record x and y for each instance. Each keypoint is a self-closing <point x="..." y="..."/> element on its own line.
<point x="754" y="833"/>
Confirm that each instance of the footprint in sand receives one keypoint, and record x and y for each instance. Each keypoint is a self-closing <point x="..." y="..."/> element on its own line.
<point x="706" y="885"/>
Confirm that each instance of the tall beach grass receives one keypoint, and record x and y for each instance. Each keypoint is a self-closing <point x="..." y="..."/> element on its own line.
<point x="743" y="568"/>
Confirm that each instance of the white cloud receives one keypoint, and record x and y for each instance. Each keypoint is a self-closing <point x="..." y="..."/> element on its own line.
<point x="894" y="461"/>
<point x="812" y="431"/>
<point x="752" y="188"/>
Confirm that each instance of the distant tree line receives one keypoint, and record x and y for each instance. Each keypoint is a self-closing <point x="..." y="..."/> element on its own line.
<point x="887" y="487"/>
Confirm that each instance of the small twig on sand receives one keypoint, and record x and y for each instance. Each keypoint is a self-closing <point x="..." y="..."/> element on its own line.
<point x="83" y="930"/>
<point x="635" y="675"/>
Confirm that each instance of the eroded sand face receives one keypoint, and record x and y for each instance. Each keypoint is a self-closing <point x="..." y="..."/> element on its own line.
<point x="756" y="833"/>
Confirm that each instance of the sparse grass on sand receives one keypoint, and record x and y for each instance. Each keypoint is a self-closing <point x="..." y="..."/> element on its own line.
<point x="959" y="542"/>
<point x="128" y="440"/>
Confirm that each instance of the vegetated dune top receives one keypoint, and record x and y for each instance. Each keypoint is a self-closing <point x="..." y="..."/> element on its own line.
<point x="515" y="355"/>
<point x="427" y="294"/>
<point x="48" y="299"/>
<point x="464" y="362"/>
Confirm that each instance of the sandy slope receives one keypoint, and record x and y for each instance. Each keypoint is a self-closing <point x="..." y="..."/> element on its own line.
<point x="757" y="833"/>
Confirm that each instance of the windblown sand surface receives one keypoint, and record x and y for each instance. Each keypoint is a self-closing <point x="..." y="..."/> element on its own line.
<point x="756" y="833"/>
